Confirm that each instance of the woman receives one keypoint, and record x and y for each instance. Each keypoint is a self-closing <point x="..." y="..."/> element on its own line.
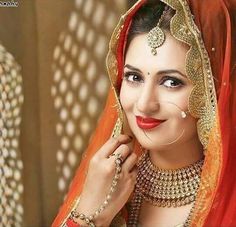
<point x="171" y="103"/>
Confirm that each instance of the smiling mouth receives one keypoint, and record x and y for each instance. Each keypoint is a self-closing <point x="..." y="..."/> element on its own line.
<point x="148" y="123"/>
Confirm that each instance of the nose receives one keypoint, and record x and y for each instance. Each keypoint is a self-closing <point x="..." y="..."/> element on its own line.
<point x="147" y="102"/>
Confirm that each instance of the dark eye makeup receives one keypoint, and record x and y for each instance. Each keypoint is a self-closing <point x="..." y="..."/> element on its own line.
<point x="171" y="82"/>
<point x="134" y="78"/>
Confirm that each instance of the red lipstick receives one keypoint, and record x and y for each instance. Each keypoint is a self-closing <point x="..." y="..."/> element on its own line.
<point x="148" y="123"/>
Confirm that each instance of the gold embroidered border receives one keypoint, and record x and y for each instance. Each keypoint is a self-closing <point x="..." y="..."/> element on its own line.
<point x="202" y="101"/>
<point x="112" y="68"/>
<point x="202" y="105"/>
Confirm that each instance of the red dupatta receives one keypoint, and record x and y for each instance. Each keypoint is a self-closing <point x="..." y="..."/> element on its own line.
<point x="216" y="20"/>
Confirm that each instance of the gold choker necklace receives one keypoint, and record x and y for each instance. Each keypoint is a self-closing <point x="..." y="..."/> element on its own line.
<point x="164" y="188"/>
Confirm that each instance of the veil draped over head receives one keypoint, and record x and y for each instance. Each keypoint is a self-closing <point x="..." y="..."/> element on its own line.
<point x="209" y="28"/>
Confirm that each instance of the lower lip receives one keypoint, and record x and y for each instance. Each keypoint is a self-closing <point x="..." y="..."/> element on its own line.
<point x="147" y="125"/>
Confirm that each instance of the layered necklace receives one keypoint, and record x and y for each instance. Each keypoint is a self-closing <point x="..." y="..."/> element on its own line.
<point x="163" y="188"/>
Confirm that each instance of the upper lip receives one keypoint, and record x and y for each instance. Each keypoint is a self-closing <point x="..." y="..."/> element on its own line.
<point x="149" y="119"/>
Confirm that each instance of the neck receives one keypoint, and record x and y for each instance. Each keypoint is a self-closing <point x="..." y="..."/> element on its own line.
<point x="178" y="156"/>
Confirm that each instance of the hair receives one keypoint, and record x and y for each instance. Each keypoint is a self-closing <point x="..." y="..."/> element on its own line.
<point x="147" y="18"/>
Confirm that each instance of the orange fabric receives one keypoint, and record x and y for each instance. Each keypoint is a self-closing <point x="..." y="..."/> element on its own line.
<point x="216" y="19"/>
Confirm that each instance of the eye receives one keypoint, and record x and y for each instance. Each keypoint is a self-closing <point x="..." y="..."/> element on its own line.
<point x="133" y="77"/>
<point x="171" y="82"/>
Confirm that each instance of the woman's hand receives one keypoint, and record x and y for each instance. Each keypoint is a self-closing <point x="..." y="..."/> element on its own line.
<point x="99" y="179"/>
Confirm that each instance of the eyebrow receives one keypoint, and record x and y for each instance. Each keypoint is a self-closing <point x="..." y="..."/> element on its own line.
<point x="158" y="73"/>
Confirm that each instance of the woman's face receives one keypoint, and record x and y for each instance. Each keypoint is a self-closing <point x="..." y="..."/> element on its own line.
<point x="157" y="87"/>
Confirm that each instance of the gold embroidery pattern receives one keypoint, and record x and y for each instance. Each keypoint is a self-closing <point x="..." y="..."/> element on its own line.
<point x="202" y="101"/>
<point x="209" y="178"/>
<point x="112" y="68"/>
<point x="202" y="104"/>
<point x="117" y="128"/>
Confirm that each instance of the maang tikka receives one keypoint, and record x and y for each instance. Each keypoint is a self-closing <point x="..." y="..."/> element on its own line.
<point x="156" y="37"/>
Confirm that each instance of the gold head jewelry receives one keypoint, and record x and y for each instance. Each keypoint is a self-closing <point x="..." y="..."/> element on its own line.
<point x="156" y="37"/>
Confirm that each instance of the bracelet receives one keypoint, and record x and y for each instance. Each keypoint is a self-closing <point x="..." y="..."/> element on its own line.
<point x="71" y="223"/>
<point x="90" y="219"/>
<point x="83" y="217"/>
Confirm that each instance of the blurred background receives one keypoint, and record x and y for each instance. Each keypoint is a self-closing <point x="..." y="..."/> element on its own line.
<point x="53" y="86"/>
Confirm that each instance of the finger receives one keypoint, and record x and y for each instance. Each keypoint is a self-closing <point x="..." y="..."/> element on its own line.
<point x="112" y="144"/>
<point x="130" y="162"/>
<point x="123" y="150"/>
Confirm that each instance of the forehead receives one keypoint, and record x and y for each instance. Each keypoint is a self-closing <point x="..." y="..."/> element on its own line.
<point x="171" y="54"/>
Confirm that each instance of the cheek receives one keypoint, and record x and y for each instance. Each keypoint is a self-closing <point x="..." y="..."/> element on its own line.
<point x="180" y="103"/>
<point x="183" y="101"/>
<point x="191" y="127"/>
<point x="127" y="98"/>
<point x="176" y="101"/>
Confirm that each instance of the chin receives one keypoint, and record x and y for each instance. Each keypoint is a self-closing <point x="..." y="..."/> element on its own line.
<point x="146" y="142"/>
<point x="152" y="147"/>
<point x="156" y="142"/>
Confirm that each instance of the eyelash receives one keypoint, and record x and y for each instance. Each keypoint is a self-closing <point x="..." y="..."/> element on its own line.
<point x="162" y="81"/>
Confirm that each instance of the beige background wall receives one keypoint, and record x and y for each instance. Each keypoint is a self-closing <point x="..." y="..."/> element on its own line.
<point x="31" y="33"/>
